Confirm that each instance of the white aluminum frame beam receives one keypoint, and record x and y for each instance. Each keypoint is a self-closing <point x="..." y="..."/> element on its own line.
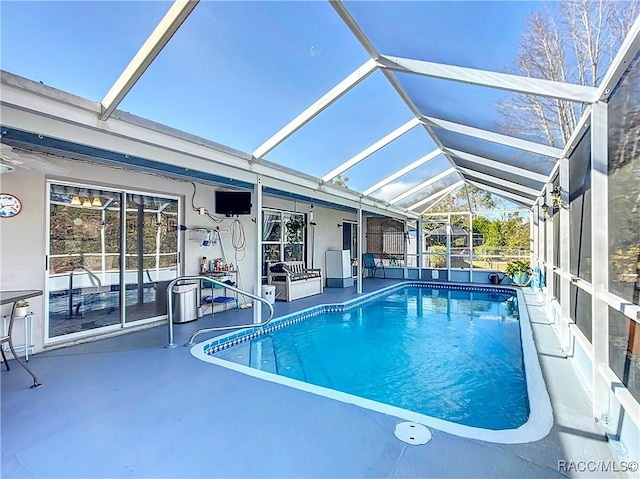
<point x="257" y="251"/>
<point x="505" y="194"/>
<point x="30" y="106"/>
<point x="500" y="182"/>
<point x="346" y="17"/>
<point x="440" y="194"/>
<point x="342" y="11"/>
<point x="600" y="258"/>
<point x="173" y="19"/>
<point x="497" y="165"/>
<point x="628" y="50"/>
<point x="494" y="137"/>
<point x="422" y="185"/>
<point x="503" y="81"/>
<point x="403" y="171"/>
<point x="424" y="212"/>
<point x="378" y="145"/>
<point x="316" y="108"/>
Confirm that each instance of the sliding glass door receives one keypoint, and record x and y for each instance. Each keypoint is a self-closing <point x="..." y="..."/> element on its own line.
<point x="151" y="256"/>
<point x="91" y="235"/>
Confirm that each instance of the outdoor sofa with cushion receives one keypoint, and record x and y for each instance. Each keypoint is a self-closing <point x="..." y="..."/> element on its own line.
<point x="293" y="281"/>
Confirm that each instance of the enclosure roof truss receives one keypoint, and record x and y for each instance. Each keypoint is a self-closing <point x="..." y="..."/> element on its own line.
<point x="391" y="67"/>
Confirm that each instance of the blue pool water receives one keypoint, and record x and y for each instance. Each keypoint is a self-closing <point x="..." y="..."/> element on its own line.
<point x="453" y="355"/>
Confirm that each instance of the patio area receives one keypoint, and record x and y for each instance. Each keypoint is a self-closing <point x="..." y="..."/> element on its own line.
<point x="128" y="407"/>
<point x="450" y="142"/>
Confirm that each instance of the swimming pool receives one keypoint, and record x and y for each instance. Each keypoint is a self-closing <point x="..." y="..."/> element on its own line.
<point x="454" y="358"/>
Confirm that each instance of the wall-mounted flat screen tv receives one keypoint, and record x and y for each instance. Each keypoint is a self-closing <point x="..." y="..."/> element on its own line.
<point x="230" y="203"/>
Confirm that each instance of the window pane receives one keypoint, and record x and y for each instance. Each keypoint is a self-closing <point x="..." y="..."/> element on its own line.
<point x="271" y="226"/>
<point x="293" y="252"/>
<point x="580" y="208"/>
<point x="624" y="350"/>
<point x="460" y="248"/>
<point x="556" y="286"/>
<point x="271" y="252"/>
<point x="624" y="187"/>
<point x="580" y="309"/>
<point x="112" y="228"/>
<point x="294" y="228"/>
<point x="168" y="229"/>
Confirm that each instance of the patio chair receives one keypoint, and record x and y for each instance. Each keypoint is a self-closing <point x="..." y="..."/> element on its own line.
<point x="369" y="263"/>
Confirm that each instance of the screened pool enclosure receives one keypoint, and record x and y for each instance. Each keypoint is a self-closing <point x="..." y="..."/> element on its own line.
<point x="412" y="125"/>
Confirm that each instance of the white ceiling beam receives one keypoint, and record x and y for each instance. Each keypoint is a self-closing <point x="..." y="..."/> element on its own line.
<point x="505" y="194"/>
<point x="438" y="200"/>
<point x="154" y="44"/>
<point x="346" y="17"/>
<point x="495" y="137"/>
<point x="433" y="204"/>
<point x="437" y="194"/>
<point x="503" y="81"/>
<point x="403" y="171"/>
<point x="381" y="143"/>
<point x="342" y="11"/>
<point x="422" y="185"/>
<point x="497" y="165"/>
<point x="316" y="108"/>
<point x="500" y="182"/>
<point x="627" y="52"/>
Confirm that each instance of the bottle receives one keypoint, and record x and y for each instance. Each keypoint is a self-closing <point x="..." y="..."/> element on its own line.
<point x="203" y="265"/>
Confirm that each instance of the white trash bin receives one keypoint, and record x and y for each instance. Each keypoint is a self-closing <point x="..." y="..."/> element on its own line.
<point x="269" y="293"/>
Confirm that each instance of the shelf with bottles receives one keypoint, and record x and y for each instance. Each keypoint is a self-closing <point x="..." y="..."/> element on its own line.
<point x="215" y="297"/>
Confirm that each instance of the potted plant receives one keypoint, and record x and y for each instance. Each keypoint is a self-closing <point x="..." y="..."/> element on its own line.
<point x="294" y="226"/>
<point x="519" y="271"/>
<point x="22" y="308"/>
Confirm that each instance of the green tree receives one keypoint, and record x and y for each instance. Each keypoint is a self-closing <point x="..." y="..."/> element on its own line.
<point x="574" y="43"/>
<point x="460" y="199"/>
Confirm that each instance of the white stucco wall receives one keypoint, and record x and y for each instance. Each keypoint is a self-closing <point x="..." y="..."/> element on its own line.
<point x="22" y="256"/>
<point x="24" y="237"/>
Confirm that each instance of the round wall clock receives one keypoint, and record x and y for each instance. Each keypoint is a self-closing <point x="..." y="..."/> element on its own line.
<point x="10" y="205"/>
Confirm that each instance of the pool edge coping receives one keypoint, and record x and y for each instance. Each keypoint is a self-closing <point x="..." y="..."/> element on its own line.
<point x="537" y="426"/>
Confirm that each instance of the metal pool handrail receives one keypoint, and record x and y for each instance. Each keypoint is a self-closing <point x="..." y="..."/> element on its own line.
<point x="206" y="330"/>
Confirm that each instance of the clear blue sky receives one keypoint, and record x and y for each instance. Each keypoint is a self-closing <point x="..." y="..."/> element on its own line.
<point x="236" y="72"/>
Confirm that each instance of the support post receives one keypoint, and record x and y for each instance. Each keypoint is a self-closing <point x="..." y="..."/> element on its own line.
<point x="549" y="259"/>
<point x="470" y="246"/>
<point x="405" y="269"/>
<point x="359" y="249"/>
<point x="599" y="255"/>
<point x="449" y="232"/>
<point x="419" y="245"/>
<point x="534" y="221"/>
<point x="565" y="335"/>
<point x="257" y="308"/>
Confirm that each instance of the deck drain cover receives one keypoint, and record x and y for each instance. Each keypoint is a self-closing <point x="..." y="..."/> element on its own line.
<point x="412" y="433"/>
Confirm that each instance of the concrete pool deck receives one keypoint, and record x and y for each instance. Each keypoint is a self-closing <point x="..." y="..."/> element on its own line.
<point x="127" y="407"/>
